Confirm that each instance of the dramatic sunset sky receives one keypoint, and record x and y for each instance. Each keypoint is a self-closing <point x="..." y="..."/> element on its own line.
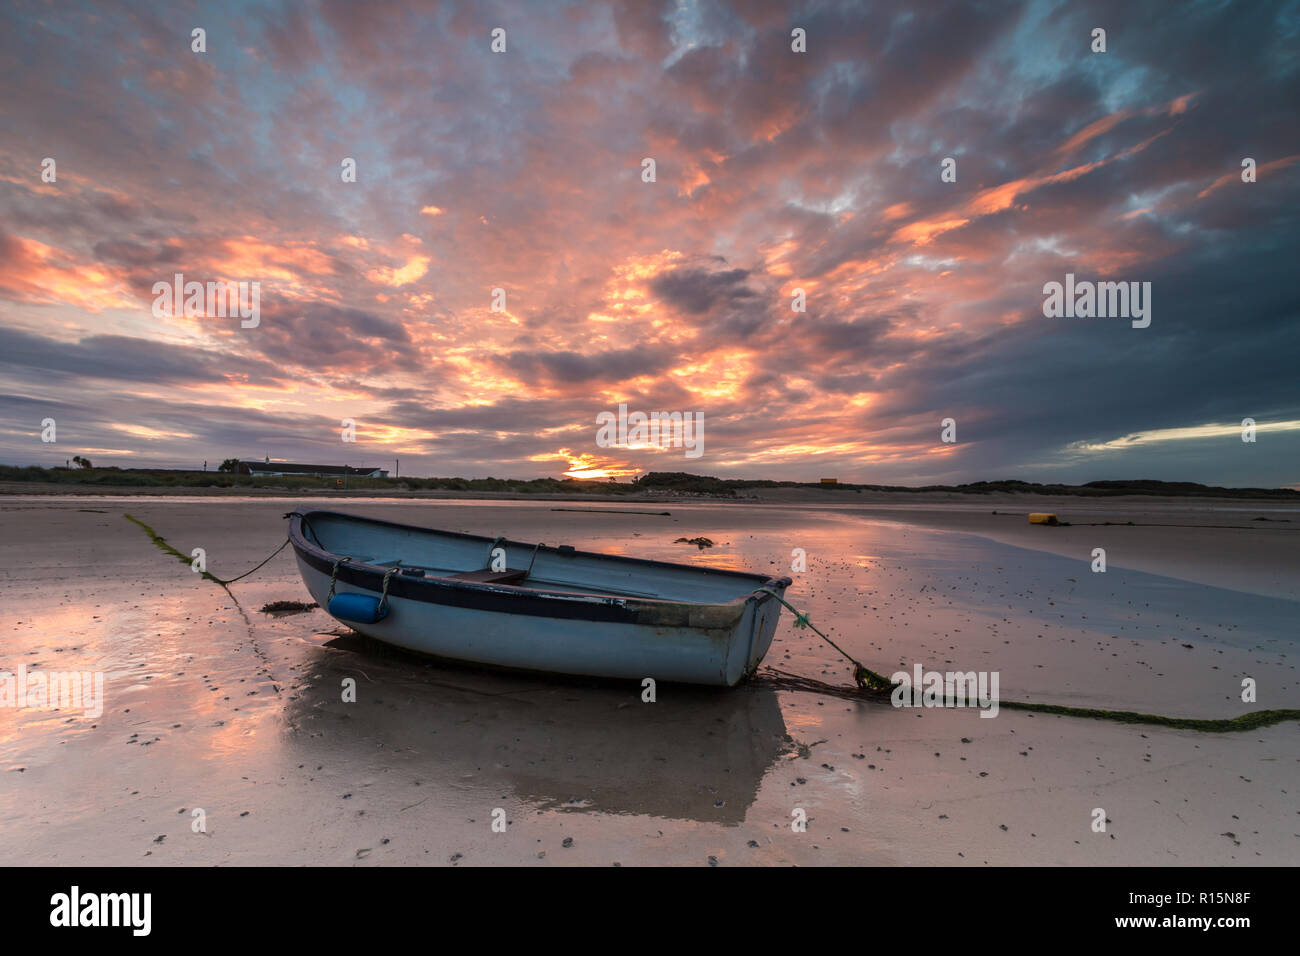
<point x="776" y="170"/>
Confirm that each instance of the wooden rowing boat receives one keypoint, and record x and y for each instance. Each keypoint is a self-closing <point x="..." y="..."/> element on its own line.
<point x="556" y="609"/>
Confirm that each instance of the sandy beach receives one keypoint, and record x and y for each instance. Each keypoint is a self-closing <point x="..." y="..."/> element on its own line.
<point x="213" y="705"/>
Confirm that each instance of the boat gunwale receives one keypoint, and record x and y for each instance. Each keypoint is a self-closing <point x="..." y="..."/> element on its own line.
<point x="510" y="597"/>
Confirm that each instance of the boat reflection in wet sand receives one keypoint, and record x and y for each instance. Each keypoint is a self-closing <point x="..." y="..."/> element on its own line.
<point x="565" y="744"/>
<point x="503" y="603"/>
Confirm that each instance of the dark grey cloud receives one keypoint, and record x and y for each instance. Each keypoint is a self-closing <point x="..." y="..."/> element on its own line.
<point x="563" y="367"/>
<point x="697" y="291"/>
<point x="117" y="358"/>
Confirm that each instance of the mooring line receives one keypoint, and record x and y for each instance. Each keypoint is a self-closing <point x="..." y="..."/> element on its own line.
<point x="162" y="545"/>
<point x="867" y="679"/>
<point x="161" y="542"/>
<point x="879" y="688"/>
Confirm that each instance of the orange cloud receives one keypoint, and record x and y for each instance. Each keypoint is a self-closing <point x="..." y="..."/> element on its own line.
<point x="583" y="465"/>
<point x="998" y="198"/>
<point x="253" y="258"/>
<point x="1235" y="176"/>
<point x="415" y="268"/>
<point x="922" y="232"/>
<point x="31" y="271"/>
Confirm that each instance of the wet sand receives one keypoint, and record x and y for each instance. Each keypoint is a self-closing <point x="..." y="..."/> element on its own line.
<point x="211" y="704"/>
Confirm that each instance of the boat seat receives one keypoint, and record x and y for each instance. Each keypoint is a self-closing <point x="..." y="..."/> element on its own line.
<point x="488" y="576"/>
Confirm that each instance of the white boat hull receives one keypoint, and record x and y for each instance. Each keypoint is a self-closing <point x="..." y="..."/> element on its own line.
<point x="551" y="627"/>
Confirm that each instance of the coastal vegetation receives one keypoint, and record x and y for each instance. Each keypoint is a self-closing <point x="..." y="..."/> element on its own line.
<point x="673" y="483"/>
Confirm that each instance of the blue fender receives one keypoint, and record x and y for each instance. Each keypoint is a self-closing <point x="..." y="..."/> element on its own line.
<point x="361" y="608"/>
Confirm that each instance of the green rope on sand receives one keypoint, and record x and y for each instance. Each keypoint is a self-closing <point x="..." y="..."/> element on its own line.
<point x="873" y="685"/>
<point x="1223" y="725"/>
<point x="162" y="544"/>
<point x="865" y="678"/>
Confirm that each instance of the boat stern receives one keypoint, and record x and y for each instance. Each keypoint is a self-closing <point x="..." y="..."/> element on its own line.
<point x="762" y="613"/>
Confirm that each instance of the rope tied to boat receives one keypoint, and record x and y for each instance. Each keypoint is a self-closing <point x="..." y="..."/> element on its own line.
<point x="224" y="581"/>
<point x="162" y="544"/>
<point x="334" y="577"/>
<point x="864" y="677"/>
<point x="383" y="593"/>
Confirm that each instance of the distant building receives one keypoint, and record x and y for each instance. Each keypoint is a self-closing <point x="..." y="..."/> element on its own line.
<point x="282" y="469"/>
<point x="830" y="481"/>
